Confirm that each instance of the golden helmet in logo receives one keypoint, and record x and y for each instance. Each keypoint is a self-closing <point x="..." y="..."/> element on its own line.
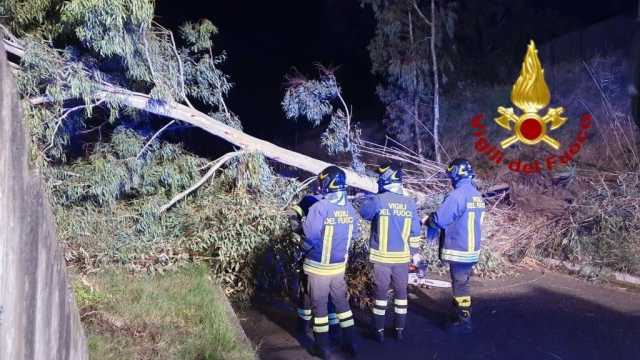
<point x="530" y="94"/>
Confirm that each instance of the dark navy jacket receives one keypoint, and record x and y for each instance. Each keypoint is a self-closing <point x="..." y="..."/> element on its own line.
<point x="329" y="231"/>
<point x="460" y="216"/>
<point x="395" y="227"/>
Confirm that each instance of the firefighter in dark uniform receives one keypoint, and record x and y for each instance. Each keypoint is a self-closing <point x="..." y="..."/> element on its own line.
<point x="330" y="228"/>
<point x="460" y="217"/>
<point x="395" y="237"/>
<point x="297" y="214"/>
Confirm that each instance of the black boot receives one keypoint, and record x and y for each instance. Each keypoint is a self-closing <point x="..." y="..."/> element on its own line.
<point x="321" y="346"/>
<point x="399" y="334"/>
<point x="462" y="322"/>
<point x="303" y="326"/>
<point x="349" y="341"/>
<point x="379" y="335"/>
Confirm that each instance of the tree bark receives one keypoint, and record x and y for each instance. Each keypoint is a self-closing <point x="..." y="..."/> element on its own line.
<point x="416" y="118"/>
<point x="247" y="142"/>
<point x="436" y="85"/>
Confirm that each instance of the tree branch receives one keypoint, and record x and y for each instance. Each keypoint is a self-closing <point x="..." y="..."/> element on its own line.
<point x="154" y="137"/>
<point x="226" y="157"/>
<point x="64" y="116"/>
<point x="420" y="13"/>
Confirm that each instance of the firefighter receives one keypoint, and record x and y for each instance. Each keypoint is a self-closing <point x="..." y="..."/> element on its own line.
<point x="296" y="215"/>
<point x="460" y="217"/>
<point x="331" y="226"/>
<point x="395" y="237"/>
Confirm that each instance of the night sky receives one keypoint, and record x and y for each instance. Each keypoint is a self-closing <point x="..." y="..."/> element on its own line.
<point x="264" y="40"/>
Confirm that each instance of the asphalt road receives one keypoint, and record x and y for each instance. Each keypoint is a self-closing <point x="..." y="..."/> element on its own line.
<point x="533" y="315"/>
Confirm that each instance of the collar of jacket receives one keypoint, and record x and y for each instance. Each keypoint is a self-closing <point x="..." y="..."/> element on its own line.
<point x="338" y="197"/>
<point x="461" y="182"/>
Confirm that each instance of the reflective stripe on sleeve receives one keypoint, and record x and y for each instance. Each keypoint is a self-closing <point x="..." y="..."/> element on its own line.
<point x="406" y="231"/>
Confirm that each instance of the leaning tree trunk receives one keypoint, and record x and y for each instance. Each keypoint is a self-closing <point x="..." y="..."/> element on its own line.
<point x="177" y="111"/>
<point x="436" y="85"/>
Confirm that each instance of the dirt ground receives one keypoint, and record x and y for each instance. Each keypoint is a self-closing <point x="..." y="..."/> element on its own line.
<point x="533" y="315"/>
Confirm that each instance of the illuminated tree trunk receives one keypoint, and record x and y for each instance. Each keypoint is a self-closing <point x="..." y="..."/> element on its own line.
<point x="436" y="85"/>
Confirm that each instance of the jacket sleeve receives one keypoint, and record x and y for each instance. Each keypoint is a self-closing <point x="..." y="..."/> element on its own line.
<point x="447" y="213"/>
<point x="312" y="227"/>
<point x="415" y="238"/>
<point x="369" y="208"/>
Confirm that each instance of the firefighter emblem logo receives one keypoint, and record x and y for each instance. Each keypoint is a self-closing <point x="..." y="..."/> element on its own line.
<point x="530" y="94"/>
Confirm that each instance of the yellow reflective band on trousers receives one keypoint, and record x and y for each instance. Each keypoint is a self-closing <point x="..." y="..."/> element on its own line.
<point x="346" y="319"/>
<point x="401" y="306"/>
<point x="379" y="311"/>
<point x="383" y="231"/>
<point x="344" y="315"/>
<point x="321" y="324"/>
<point x="381" y="303"/>
<point x="471" y="231"/>
<point x="463" y="301"/>
<point x="305" y="314"/>
<point x="406" y="231"/>
<point x="326" y="244"/>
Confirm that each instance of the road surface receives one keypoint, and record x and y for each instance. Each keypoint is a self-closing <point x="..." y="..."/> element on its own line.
<point x="532" y="315"/>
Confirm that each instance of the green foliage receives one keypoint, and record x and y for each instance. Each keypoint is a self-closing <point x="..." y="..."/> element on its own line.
<point x="107" y="210"/>
<point x="31" y="16"/>
<point x="316" y="99"/>
<point x="178" y="315"/>
<point x="198" y="36"/>
<point x="603" y="226"/>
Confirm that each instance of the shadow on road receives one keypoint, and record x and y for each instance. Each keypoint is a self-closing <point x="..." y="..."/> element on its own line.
<point x="533" y="316"/>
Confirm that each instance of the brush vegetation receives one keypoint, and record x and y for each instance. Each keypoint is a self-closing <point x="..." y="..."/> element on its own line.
<point x="178" y="315"/>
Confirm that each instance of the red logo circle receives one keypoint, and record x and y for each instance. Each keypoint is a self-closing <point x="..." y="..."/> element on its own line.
<point x="531" y="129"/>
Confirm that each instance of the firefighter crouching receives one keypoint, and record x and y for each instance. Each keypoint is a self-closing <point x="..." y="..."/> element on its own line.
<point x="395" y="237"/>
<point x="460" y="217"/>
<point x="329" y="229"/>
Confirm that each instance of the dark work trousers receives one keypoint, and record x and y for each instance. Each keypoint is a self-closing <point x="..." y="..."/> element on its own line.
<point x="396" y="276"/>
<point x="320" y="288"/>
<point x="304" y="302"/>
<point x="460" y="274"/>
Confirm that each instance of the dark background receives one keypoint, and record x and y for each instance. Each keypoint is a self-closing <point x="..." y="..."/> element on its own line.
<point x="264" y="40"/>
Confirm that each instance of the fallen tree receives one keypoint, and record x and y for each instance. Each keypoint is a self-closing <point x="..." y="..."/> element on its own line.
<point x="190" y="115"/>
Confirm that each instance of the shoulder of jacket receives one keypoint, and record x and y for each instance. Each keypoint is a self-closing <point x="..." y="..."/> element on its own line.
<point x="320" y="205"/>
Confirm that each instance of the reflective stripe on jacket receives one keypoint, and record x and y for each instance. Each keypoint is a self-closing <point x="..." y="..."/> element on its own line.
<point x="460" y="216"/>
<point x="395" y="227"/>
<point x="329" y="229"/>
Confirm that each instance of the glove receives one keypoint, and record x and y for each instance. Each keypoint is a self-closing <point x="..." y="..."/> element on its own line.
<point x="420" y="264"/>
<point x="432" y="234"/>
<point x="432" y="228"/>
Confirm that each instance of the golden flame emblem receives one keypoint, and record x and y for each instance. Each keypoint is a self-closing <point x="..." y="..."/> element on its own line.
<point x="530" y="94"/>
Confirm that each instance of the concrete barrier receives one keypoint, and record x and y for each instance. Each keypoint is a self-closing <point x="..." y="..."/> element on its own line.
<point x="38" y="316"/>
